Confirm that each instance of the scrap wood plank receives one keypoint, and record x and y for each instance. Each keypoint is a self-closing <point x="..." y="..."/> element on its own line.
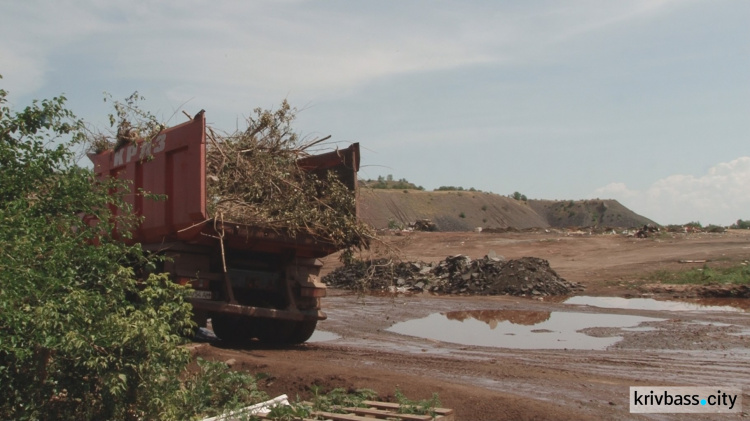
<point x="332" y="416"/>
<point x="339" y="417"/>
<point x="443" y="414"/>
<point x="379" y="413"/>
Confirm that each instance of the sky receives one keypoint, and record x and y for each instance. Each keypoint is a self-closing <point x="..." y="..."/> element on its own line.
<point x="643" y="101"/>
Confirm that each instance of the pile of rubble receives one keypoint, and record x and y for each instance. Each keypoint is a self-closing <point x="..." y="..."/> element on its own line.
<point x="490" y="275"/>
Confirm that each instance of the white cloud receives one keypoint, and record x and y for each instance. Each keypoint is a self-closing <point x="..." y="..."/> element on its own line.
<point x="720" y="196"/>
<point x="256" y="47"/>
<point x="22" y="72"/>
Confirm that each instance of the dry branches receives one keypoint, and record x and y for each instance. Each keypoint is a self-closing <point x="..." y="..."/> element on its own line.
<point x="253" y="178"/>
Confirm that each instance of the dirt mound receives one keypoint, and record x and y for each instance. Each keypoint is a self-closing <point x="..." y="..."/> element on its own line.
<point x="467" y="210"/>
<point x="490" y="275"/>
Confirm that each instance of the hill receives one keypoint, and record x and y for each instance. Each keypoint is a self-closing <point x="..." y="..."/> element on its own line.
<point x="467" y="210"/>
<point x="583" y="213"/>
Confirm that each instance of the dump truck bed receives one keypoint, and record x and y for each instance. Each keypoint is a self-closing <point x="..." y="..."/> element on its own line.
<point x="174" y="164"/>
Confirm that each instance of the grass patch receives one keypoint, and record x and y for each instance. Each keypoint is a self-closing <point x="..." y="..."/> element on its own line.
<point x="738" y="275"/>
<point x="418" y="407"/>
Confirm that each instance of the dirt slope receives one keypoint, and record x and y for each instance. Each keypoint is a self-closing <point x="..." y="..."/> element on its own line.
<point x="466" y="210"/>
<point x="582" y="213"/>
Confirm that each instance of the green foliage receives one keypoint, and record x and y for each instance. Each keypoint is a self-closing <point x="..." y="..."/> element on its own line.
<point x="339" y="398"/>
<point x="739" y="275"/>
<point x="519" y="196"/>
<point x="740" y="224"/>
<point x="291" y="412"/>
<point x="86" y="332"/>
<point x="215" y="389"/>
<point x="389" y="184"/>
<point x="454" y="188"/>
<point x="462" y="215"/>
<point x="418" y="407"/>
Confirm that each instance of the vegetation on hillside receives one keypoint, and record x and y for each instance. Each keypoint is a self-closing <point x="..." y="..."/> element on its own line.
<point x="456" y="188"/>
<point x="740" y="224"/>
<point x="519" y="196"/>
<point x="388" y="183"/>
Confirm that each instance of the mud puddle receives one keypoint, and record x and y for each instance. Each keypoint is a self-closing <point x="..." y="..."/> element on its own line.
<point x="715" y="304"/>
<point x="520" y="329"/>
<point x="323" y="336"/>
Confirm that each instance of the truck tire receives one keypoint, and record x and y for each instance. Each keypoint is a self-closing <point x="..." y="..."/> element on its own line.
<point x="302" y="331"/>
<point x="286" y="332"/>
<point x="231" y="330"/>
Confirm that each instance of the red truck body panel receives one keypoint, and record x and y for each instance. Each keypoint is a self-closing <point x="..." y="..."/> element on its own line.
<point x="174" y="164"/>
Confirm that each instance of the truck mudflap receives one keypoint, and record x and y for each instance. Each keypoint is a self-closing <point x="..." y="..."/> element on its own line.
<point x="250" y="311"/>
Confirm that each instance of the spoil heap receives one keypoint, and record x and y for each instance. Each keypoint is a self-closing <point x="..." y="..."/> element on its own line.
<point x="527" y="276"/>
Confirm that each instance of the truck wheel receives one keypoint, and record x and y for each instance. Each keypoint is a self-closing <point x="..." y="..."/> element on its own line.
<point x="286" y="332"/>
<point x="302" y="331"/>
<point x="232" y="330"/>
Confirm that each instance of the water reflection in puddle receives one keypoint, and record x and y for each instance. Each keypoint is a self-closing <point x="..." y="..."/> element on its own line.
<point x="716" y="304"/>
<point x="518" y="329"/>
<point x="323" y="336"/>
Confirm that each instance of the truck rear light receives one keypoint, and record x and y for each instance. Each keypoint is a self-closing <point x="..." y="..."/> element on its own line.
<point x="183" y="281"/>
<point x="313" y="292"/>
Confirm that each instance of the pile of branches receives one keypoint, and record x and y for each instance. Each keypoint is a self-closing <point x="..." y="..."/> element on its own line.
<point x="253" y="177"/>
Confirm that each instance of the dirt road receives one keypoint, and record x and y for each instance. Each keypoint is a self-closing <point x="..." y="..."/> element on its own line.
<point x="495" y="358"/>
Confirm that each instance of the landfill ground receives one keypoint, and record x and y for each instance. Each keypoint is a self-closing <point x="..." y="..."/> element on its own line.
<point x="691" y="341"/>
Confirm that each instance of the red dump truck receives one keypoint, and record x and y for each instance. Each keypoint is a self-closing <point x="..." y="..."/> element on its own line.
<point x="256" y="282"/>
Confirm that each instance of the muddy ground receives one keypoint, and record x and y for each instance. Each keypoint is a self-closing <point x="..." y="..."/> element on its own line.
<point x="519" y="358"/>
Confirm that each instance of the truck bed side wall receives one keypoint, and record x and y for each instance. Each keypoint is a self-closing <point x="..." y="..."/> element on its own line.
<point x="171" y="164"/>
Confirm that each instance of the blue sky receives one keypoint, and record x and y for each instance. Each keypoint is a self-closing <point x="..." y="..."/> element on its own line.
<point x="643" y="101"/>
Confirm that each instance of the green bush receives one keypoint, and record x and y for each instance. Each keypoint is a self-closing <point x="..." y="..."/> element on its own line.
<point x="214" y="389"/>
<point x="86" y="331"/>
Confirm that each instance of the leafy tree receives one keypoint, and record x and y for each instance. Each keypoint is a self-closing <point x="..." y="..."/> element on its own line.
<point x="519" y="196"/>
<point x="86" y="330"/>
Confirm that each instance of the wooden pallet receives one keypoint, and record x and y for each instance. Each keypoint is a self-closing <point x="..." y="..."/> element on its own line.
<point x="379" y="411"/>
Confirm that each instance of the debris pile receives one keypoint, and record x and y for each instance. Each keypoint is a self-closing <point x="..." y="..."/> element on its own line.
<point x="254" y="176"/>
<point x="527" y="276"/>
<point x="646" y="231"/>
<point x="423" y="225"/>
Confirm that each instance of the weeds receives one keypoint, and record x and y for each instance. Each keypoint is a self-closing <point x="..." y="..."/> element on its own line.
<point x="418" y="407"/>
<point x="737" y="275"/>
<point x="291" y="412"/>
<point x="339" y="398"/>
<point x="215" y="389"/>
